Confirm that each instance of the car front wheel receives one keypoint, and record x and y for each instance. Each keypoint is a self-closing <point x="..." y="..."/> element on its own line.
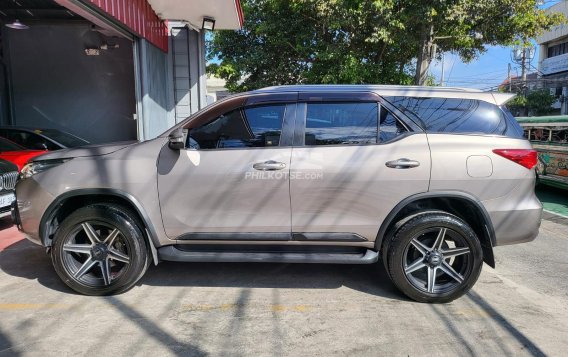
<point x="434" y="257"/>
<point x="100" y="250"/>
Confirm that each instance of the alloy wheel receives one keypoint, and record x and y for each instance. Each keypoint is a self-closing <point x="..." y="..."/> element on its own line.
<point x="96" y="254"/>
<point x="437" y="260"/>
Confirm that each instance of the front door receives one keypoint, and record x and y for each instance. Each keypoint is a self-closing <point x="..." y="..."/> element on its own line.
<point x="232" y="180"/>
<point x="355" y="161"/>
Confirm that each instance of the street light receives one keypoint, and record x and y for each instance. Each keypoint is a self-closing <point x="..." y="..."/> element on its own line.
<point x="208" y="24"/>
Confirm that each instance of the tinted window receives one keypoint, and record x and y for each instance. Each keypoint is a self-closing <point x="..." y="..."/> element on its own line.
<point x="442" y="115"/>
<point x="6" y="145"/>
<point x="390" y="126"/>
<point x="29" y="140"/>
<point x="250" y="127"/>
<point x="341" y="123"/>
<point x="514" y="130"/>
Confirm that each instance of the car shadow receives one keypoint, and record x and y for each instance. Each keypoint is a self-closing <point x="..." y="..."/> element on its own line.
<point x="27" y="260"/>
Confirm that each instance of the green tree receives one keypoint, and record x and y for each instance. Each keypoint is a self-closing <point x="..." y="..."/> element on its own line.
<point x="536" y="102"/>
<point x="466" y="27"/>
<point x="360" y="41"/>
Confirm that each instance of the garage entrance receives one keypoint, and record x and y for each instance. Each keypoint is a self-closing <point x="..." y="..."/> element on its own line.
<point x="60" y="71"/>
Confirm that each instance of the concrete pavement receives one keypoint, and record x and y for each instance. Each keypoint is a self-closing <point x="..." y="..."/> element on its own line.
<point x="521" y="308"/>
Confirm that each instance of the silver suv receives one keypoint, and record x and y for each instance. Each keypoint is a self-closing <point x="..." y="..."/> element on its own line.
<point x="427" y="179"/>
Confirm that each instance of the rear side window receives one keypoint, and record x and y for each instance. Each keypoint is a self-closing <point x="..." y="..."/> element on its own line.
<point x="341" y="123"/>
<point x="453" y="115"/>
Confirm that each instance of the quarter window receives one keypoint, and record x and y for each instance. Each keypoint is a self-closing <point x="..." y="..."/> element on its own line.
<point x="452" y="115"/>
<point x="341" y="123"/>
<point x="241" y="128"/>
<point x="390" y="126"/>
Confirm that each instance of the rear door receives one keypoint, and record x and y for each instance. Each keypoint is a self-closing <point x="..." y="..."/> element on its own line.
<point x="353" y="160"/>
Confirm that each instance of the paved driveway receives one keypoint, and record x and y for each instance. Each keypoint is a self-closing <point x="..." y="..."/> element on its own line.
<point x="521" y="308"/>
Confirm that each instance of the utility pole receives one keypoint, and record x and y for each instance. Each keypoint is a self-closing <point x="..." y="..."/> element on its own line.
<point x="509" y="77"/>
<point x="524" y="66"/>
<point x="442" y="79"/>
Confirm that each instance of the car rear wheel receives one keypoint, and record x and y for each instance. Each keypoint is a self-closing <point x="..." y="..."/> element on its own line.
<point x="434" y="257"/>
<point x="100" y="250"/>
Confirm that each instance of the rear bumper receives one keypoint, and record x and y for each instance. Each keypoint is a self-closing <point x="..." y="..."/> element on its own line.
<point x="516" y="217"/>
<point x="518" y="226"/>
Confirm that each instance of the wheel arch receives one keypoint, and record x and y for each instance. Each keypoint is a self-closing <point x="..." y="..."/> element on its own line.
<point x="461" y="204"/>
<point x="69" y="201"/>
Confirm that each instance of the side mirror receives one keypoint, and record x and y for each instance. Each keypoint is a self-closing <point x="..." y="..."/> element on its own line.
<point x="176" y="140"/>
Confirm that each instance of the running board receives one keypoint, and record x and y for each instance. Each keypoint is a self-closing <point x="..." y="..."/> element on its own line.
<point x="170" y="253"/>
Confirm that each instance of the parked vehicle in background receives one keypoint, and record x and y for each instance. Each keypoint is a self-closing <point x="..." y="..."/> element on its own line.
<point x="8" y="178"/>
<point x="17" y="154"/>
<point x="41" y="139"/>
<point x="431" y="178"/>
<point x="549" y="136"/>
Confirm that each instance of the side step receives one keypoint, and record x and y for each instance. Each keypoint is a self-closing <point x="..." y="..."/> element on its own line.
<point x="171" y="253"/>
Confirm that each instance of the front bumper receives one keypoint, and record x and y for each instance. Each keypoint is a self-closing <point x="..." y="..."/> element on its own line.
<point x="31" y="202"/>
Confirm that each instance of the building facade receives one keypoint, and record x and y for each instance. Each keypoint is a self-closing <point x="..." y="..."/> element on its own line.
<point x="106" y="70"/>
<point x="553" y="59"/>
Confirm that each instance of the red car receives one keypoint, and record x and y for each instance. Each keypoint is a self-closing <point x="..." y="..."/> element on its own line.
<point x="17" y="154"/>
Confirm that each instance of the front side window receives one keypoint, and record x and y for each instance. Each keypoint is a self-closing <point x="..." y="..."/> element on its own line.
<point x="241" y="128"/>
<point x="453" y="115"/>
<point x="341" y="123"/>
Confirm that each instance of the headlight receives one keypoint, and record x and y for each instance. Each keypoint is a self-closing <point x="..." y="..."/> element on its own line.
<point x="36" y="167"/>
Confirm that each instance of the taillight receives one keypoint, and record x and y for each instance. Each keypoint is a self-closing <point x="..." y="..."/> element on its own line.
<point x="524" y="157"/>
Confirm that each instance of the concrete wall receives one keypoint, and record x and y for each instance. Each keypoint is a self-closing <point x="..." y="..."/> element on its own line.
<point x="155" y="99"/>
<point x="188" y="70"/>
<point x="171" y="84"/>
<point x="557" y="31"/>
<point x="55" y="85"/>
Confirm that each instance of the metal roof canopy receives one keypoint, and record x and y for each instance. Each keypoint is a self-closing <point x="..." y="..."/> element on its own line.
<point x="228" y="14"/>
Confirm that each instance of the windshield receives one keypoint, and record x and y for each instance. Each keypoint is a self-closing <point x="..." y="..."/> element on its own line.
<point x="63" y="138"/>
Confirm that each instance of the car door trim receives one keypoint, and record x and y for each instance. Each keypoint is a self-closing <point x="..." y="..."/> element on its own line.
<point x="237" y="236"/>
<point x="328" y="237"/>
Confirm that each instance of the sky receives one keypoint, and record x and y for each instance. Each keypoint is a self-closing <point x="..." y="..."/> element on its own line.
<point x="486" y="72"/>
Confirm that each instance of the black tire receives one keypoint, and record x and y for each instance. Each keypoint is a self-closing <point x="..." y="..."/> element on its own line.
<point x="125" y="259"/>
<point x="426" y="243"/>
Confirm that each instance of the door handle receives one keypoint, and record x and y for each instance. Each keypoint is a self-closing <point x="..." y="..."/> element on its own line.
<point x="402" y="164"/>
<point x="269" y="165"/>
